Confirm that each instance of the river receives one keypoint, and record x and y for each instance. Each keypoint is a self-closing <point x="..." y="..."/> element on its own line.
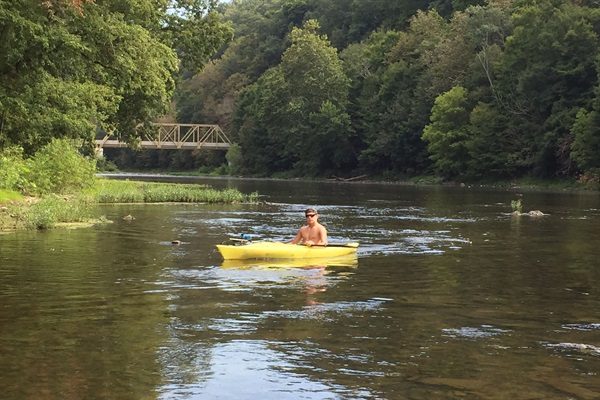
<point x="452" y="298"/>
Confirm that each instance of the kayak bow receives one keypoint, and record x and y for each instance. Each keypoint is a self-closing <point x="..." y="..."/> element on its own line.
<point x="277" y="250"/>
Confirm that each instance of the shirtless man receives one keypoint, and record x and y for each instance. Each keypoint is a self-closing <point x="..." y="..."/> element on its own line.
<point x="313" y="232"/>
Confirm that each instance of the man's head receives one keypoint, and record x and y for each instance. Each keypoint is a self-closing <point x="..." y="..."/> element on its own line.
<point x="310" y="213"/>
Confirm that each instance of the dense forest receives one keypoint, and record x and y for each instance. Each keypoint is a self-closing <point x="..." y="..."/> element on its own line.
<point x="459" y="89"/>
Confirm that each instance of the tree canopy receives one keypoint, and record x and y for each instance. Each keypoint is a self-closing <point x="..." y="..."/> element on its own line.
<point x="500" y="89"/>
<point x="69" y="67"/>
<point x="464" y="89"/>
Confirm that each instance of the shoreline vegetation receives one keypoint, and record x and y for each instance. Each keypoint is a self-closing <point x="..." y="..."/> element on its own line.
<point x="516" y="184"/>
<point x="58" y="187"/>
<point x="79" y="210"/>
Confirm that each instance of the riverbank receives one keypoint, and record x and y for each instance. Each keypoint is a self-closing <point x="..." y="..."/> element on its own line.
<point x="515" y="184"/>
<point x="54" y="211"/>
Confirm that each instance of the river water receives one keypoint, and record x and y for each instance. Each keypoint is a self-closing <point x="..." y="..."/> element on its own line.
<point x="452" y="297"/>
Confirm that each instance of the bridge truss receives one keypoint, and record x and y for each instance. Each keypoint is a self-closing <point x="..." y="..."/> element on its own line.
<point x="174" y="136"/>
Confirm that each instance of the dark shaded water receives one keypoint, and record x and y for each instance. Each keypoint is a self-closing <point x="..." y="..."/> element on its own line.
<point x="452" y="298"/>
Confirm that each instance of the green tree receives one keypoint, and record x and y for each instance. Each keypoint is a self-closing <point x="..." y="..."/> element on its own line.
<point x="259" y="123"/>
<point x="546" y="75"/>
<point x="486" y="29"/>
<point x="317" y="87"/>
<point x="393" y="102"/>
<point x="235" y="159"/>
<point x="447" y="135"/>
<point x="295" y="108"/>
<point x="67" y="67"/>
<point x="352" y="21"/>
<point x="490" y="146"/>
<point x="585" y="149"/>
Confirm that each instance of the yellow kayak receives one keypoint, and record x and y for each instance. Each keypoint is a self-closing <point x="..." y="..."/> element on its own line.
<point x="277" y="250"/>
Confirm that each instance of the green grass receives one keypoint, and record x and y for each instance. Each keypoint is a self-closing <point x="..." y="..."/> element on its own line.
<point x="47" y="213"/>
<point x="52" y="211"/>
<point x="7" y="196"/>
<point x="125" y="191"/>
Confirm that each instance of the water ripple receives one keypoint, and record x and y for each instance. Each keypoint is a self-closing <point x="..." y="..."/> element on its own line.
<point x="577" y="347"/>
<point x="329" y="311"/>
<point x="582" y="327"/>
<point x="468" y="332"/>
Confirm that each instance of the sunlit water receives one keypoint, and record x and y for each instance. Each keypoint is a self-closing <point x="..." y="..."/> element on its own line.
<point x="451" y="297"/>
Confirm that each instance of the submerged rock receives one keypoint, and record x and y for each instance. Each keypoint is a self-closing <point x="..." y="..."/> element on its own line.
<point x="536" y="213"/>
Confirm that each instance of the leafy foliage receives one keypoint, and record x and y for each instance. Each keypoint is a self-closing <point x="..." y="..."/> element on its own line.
<point x="52" y="210"/>
<point x="59" y="168"/>
<point x="585" y="149"/>
<point x="546" y="75"/>
<point x="68" y="67"/>
<point x="12" y="169"/>
<point x="295" y="117"/>
<point x="466" y="89"/>
<point x="447" y="135"/>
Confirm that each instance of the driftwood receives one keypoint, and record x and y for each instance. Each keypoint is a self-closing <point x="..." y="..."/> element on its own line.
<point x="354" y="178"/>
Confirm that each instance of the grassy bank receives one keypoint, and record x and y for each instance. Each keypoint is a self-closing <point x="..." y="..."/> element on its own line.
<point x="118" y="191"/>
<point x="58" y="186"/>
<point x="48" y="212"/>
<point x="51" y="211"/>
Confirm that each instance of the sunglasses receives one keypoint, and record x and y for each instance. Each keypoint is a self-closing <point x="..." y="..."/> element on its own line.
<point x="310" y="215"/>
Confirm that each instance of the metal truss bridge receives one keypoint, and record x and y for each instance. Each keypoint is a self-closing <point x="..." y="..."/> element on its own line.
<point x="174" y="136"/>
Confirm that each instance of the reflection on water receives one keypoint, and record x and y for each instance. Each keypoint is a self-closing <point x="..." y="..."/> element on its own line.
<point x="350" y="261"/>
<point x="255" y="369"/>
<point x="450" y="297"/>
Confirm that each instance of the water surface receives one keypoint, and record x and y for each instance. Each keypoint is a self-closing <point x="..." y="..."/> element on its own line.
<point x="451" y="297"/>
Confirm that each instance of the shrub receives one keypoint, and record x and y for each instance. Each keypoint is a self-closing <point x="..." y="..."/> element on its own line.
<point x="53" y="210"/>
<point x="59" y="168"/>
<point x="12" y="169"/>
<point x="235" y="159"/>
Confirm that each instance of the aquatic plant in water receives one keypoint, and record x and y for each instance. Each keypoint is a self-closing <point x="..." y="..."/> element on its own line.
<point x="516" y="206"/>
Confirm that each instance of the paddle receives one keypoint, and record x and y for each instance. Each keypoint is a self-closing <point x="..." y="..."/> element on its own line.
<point x="351" y="244"/>
<point x="244" y="238"/>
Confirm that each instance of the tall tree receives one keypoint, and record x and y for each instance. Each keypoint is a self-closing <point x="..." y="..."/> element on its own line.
<point x="68" y="67"/>
<point x="546" y="75"/>
<point x="395" y="100"/>
<point x="447" y="135"/>
<point x="301" y="105"/>
<point x="585" y="148"/>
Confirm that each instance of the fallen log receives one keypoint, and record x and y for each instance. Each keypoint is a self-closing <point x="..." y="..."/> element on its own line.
<point x="354" y="178"/>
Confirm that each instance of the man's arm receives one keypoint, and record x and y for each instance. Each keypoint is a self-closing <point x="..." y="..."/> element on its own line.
<point x="298" y="237"/>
